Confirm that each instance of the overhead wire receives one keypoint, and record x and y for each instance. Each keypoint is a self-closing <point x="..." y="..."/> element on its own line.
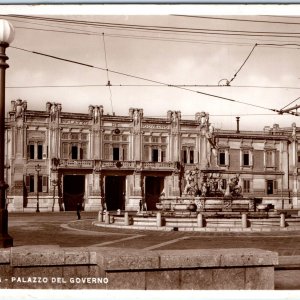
<point x="146" y="79"/>
<point x="194" y="29"/>
<point x="153" y="85"/>
<point x="290" y="103"/>
<point x="107" y="75"/>
<point x="239" y="20"/>
<point x="173" y="29"/>
<point x="234" y="76"/>
<point x="209" y="42"/>
<point x="137" y="37"/>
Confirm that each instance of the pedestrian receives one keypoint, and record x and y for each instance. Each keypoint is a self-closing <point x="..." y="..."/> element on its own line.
<point x="78" y="210"/>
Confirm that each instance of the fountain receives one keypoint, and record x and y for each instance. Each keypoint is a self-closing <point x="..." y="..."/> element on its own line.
<point x="209" y="194"/>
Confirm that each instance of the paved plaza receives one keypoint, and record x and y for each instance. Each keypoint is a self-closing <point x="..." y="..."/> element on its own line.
<point x="65" y="230"/>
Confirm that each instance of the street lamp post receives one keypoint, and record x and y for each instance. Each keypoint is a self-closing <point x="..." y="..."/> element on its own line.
<point x="38" y="170"/>
<point x="6" y="37"/>
<point x="54" y="182"/>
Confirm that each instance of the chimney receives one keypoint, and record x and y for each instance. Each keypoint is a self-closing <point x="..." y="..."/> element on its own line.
<point x="237" y="124"/>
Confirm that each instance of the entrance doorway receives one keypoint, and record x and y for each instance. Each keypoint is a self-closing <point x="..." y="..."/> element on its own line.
<point x="73" y="191"/>
<point x="153" y="189"/>
<point x="115" y="192"/>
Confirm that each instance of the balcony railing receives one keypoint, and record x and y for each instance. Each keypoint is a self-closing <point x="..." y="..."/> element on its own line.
<point x="108" y="164"/>
<point x="80" y="163"/>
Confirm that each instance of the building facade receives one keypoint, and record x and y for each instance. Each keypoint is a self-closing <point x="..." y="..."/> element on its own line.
<point x="129" y="162"/>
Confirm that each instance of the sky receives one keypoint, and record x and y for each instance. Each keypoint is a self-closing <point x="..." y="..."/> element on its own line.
<point x="269" y="79"/>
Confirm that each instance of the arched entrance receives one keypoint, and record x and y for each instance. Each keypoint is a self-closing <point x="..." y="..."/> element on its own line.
<point x="154" y="186"/>
<point x="115" y="192"/>
<point x="73" y="191"/>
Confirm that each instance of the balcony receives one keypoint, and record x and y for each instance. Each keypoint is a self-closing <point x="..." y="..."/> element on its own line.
<point x="76" y="164"/>
<point x="167" y="166"/>
<point x="116" y="165"/>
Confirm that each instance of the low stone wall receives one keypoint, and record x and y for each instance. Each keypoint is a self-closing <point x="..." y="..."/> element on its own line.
<point x="43" y="267"/>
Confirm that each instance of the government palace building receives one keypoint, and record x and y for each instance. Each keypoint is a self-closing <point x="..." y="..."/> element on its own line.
<point x="105" y="161"/>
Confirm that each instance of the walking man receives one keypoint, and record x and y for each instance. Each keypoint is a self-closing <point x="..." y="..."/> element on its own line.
<point x="78" y="210"/>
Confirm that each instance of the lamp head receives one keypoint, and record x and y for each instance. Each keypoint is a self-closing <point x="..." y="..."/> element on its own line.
<point x="7" y="32"/>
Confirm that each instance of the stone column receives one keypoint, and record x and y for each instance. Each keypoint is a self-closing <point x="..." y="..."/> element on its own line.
<point x="126" y="219"/>
<point x="244" y="221"/>
<point x="107" y="217"/>
<point x="294" y="168"/>
<point x="55" y="198"/>
<point x="158" y="219"/>
<point x="95" y="196"/>
<point x="282" y="220"/>
<point x="100" y="215"/>
<point x="200" y="221"/>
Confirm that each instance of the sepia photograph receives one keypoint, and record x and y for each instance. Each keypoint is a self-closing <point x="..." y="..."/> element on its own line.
<point x="149" y="148"/>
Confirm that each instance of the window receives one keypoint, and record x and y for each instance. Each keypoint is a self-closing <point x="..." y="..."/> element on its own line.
<point x="65" y="150"/>
<point x="40" y="184"/>
<point x="155" y="155"/>
<point x="163" y="155"/>
<point x="222" y="160"/>
<point x="246" y="186"/>
<point x="224" y="184"/>
<point x="45" y="184"/>
<point x="269" y="159"/>
<point x="155" y="139"/>
<point x="124" y="138"/>
<point x="40" y="151"/>
<point x="271" y="187"/>
<point x="191" y="156"/>
<point x="146" y="139"/>
<point x="246" y="158"/>
<point x="106" y="151"/>
<point x="116" y="153"/>
<point x="30" y="151"/>
<point x="106" y="137"/>
<point x="116" y="138"/>
<point x="163" y="139"/>
<point x="146" y="153"/>
<point x="83" y="152"/>
<point x="125" y="151"/>
<point x="184" y="156"/>
<point x="74" y="153"/>
<point x="31" y="183"/>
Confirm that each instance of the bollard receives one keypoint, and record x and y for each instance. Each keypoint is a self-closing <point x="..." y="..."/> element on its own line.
<point x="200" y="220"/>
<point x="158" y="219"/>
<point x="100" y="216"/>
<point x="107" y="217"/>
<point x="282" y="220"/>
<point x="244" y="221"/>
<point x="126" y="219"/>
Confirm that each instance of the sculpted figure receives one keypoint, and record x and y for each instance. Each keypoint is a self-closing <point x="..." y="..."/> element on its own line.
<point x="191" y="187"/>
<point x="136" y="117"/>
<point x="19" y="108"/>
<point x="53" y="111"/>
<point x="96" y="114"/>
<point x="234" y="188"/>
